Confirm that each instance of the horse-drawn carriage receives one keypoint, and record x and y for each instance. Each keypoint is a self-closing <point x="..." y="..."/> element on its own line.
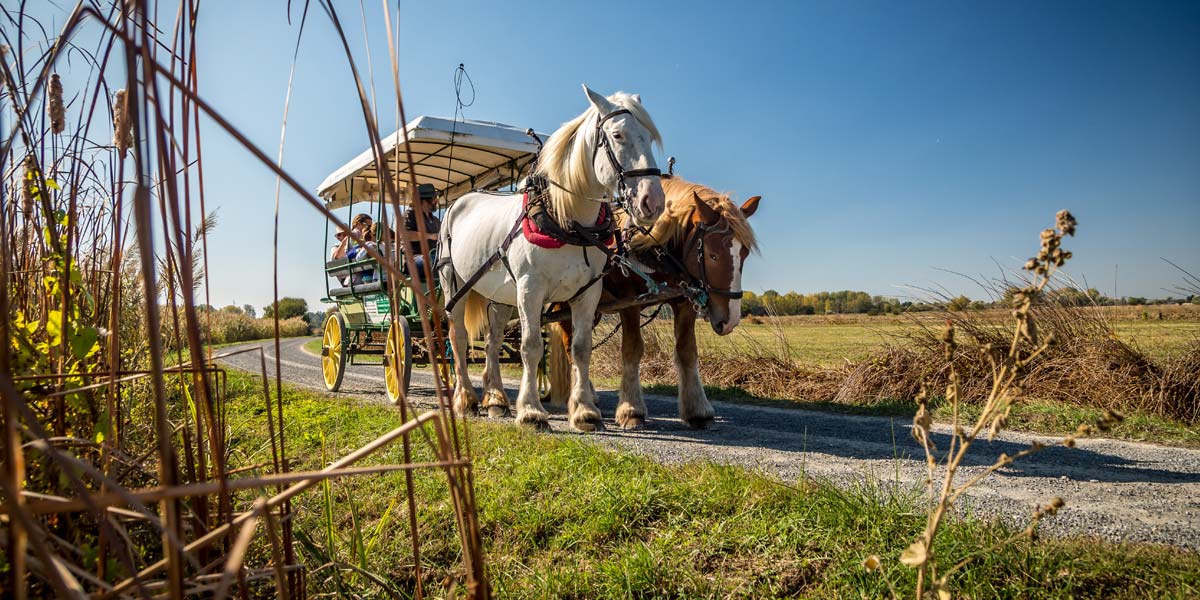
<point x="499" y="256"/>
<point x="453" y="158"/>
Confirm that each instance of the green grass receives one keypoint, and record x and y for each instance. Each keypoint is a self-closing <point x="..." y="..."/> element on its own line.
<point x="562" y="517"/>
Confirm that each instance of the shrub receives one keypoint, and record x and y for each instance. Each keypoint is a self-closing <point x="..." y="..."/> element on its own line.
<point x="229" y="327"/>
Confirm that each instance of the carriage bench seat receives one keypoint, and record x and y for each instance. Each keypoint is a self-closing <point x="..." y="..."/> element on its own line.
<point x="359" y="289"/>
<point x="345" y="267"/>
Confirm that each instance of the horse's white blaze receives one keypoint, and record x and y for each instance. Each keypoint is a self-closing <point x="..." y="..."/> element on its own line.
<point x="735" y="284"/>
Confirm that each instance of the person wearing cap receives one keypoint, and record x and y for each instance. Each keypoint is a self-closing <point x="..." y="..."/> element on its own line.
<point x="425" y="206"/>
<point x="361" y="224"/>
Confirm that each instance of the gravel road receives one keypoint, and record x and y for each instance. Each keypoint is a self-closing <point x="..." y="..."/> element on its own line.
<point x="1114" y="490"/>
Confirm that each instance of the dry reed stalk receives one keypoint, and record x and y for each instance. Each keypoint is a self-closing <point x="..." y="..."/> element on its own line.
<point x="1009" y="368"/>
<point x="110" y="283"/>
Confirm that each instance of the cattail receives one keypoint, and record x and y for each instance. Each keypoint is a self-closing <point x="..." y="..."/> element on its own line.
<point x="122" y="128"/>
<point x="58" y="115"/>
<point x="28" y="185"/>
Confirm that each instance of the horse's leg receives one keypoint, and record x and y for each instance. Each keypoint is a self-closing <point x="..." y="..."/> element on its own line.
<point x="530" y="411"/>
<point x="464" y="391"/>
<point x="494" y="398"/>
<point x="694" y="408"/>
<point x="581" y="404"/>
<point x="631" y="410"/>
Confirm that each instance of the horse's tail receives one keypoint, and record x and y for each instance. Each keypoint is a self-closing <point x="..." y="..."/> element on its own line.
<point x="559" y="363"/>
<point x="475" y="314"/>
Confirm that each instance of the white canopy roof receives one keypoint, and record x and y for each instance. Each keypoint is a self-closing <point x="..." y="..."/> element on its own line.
<point x="454" y="157"/>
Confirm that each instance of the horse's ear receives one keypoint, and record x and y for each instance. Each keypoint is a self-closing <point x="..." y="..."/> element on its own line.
<point x="704" y="213"/>
<point x="750" y="205"/>
<point x="600" y="102"/>
<point x="637" y="98"/>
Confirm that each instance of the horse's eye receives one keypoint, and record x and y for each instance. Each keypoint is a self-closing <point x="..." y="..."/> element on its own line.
<point x="713" y="256"/>
<point x="617" y="136"/>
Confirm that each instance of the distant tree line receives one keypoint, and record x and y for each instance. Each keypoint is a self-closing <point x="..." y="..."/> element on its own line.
<point x="856" y="302"/>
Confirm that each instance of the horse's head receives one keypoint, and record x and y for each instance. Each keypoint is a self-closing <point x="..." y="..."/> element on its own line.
<point x="622" y="156"/>
<point x="715" y="257"/>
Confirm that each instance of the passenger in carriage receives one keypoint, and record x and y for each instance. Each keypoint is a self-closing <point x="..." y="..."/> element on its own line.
<point x="425" y="206"/>
<point x="338" y="251"/>
<point x="362" y="225"/>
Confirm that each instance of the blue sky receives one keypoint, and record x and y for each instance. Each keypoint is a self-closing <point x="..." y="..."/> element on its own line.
<point x="888" y="140"/>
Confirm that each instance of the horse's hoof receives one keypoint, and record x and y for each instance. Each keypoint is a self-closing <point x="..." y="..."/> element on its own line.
<point x="497" y="412"/>
<point x="534" y="421"/>
<point x="588" y="423"/>
<point x="700" y="422"/>
<point x="633" y="422"/>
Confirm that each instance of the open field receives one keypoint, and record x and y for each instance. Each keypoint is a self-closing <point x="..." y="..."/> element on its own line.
<point x="832" y="340"/>
<point x="563" y="517"/>
<point x="815" y="356"/>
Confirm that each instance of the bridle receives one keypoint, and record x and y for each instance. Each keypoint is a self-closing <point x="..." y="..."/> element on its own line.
<point x="698" y="234"/>
<point x="624" y="196"/>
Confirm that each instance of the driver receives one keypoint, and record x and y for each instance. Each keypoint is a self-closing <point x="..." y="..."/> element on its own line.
<point x="425" y="206"/>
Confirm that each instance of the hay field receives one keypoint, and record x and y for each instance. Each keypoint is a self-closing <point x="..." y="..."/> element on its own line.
<point x="829" y="341"/>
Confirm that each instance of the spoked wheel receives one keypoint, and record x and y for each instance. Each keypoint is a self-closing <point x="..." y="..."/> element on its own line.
<point x="333" y="352"/>
<point x="397" y="361"/>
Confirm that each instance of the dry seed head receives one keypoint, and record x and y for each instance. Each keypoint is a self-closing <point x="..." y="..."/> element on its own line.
<point x="1109" y="420"/>
<point x="122" y="128"/>
<point x="1048" y="510"/>
<point x="28" y="185"/>
<point x="948" y="334"/>
<point x="3" y="58"/>
<point x="871" y="563"/>
<point x="57" y="114"/>
<point x="1065" y="222"/>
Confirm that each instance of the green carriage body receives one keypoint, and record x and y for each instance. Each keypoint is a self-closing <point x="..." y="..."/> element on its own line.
<point x="376" y="319"/>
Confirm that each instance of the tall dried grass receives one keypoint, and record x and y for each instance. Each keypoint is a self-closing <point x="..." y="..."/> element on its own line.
<point x="1088" y="366"/>
<point x="118" y="477"/>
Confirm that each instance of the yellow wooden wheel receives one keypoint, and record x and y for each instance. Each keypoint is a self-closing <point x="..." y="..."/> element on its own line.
<point x="397" y="361"/>
<point x="333" y="352"/>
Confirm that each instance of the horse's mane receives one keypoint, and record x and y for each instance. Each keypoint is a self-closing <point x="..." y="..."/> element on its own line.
<point x="567" y="159"/>
<point x="676" y="220"/>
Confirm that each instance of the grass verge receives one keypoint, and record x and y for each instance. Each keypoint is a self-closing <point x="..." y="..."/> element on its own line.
<point x="564" y="518"/>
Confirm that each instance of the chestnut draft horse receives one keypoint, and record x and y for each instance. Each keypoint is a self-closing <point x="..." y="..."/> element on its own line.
<point x="705" y="238"/>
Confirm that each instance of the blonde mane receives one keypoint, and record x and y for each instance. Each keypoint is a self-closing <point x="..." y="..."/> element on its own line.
<point x="567" y="161"/>
<point x="676" y="219"/>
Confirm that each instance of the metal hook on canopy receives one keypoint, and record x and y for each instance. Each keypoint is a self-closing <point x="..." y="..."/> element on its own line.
<point x="671" y="166"/>
<point x="531" y="133"/>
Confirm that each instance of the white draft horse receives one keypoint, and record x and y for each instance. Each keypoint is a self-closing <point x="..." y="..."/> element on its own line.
<point x="706" y="237"/>
<point x="605" y="149"/>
